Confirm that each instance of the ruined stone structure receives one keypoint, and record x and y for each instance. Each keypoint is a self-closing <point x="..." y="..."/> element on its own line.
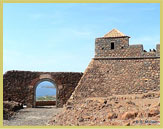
<point x="118" y="69"/>
<point x="20" y="86"/>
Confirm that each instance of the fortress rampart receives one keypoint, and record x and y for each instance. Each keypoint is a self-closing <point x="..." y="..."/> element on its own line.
<point x="121" y="48"/>
<point x="119" y="69"/>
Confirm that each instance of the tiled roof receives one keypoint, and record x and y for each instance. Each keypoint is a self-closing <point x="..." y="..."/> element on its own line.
<point x="114" y="33"/>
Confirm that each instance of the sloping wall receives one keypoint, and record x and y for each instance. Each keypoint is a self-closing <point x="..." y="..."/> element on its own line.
<point x="106" y="77"/>
<point x="124" y="69"/>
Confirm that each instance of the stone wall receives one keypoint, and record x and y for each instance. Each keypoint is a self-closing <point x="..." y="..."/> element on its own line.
<point x="121" y="48"/>
<point x="123" y="69"/>
<point x="103" y="46"/>
<point x="10" y="108"/>
<point x="118" y="76"/>
<point x="45" y="103"/>
<point x="158" y="49"/>
<point x="20" y="86"/>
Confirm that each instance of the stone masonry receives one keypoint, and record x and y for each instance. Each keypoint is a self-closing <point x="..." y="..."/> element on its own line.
<point x="118" y="69"/>
<point x="20" y="86"/>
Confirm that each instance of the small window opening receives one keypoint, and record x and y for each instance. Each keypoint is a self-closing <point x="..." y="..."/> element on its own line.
<point x="102" y="48"/>
<point x="122" y="47"/>
<point x="9" y="99"/>
<point x="112" y="45"/>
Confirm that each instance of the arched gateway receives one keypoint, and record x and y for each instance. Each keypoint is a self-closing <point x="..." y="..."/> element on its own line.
<point x="45" y="77"/>
<point x="46" y="103"/>
<point x="20" y="86"/>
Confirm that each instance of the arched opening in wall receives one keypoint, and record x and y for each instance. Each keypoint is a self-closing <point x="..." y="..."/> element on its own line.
<point x="45" y="93"/>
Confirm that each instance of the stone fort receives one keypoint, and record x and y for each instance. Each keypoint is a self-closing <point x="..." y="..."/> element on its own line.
<point x="116" y="69"/>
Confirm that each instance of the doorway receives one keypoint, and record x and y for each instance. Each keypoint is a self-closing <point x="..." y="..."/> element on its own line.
<point x="45" y="93"/>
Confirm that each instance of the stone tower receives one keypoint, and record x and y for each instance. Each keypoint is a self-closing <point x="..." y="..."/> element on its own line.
<point x="111" y="43"/>
<point x="119" y="68"/>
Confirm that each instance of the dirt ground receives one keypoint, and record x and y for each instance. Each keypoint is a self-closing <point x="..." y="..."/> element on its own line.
<point x="118" y="110"/>
<point x="32" y="116"/>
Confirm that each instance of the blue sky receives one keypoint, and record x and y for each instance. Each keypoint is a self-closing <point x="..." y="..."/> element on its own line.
<point x="61" y="37"/>
<point x="45" y="88"/>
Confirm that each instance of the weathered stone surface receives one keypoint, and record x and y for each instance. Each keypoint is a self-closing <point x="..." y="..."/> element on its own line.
<point x="111" y="77"/>
<point x="119" y="87"/>
<point x="121" y="48"/>
<point x="121" y="69"/>
<point x="153" y="112"/>
<point x="96" y="112"/>
<point x="112" y="115"/>
<point x="45" y="103"/>
<point x="20" y="86"/>
<point x="129" y="115"/>
<point x="9" y="109"/>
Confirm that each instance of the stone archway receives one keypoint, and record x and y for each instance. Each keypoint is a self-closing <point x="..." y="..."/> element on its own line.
<point x="20" y="86"/>
<point x="42" y="80"/>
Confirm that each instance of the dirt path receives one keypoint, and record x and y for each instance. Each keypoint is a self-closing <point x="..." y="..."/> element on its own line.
<point x="32" y="116"/>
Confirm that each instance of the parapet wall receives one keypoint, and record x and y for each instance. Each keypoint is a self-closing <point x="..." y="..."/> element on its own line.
<point x="122" y="48"/>
<point x="20" y="86"/>
<point x="45" y="103"/>
<point x="158" y="50"/>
